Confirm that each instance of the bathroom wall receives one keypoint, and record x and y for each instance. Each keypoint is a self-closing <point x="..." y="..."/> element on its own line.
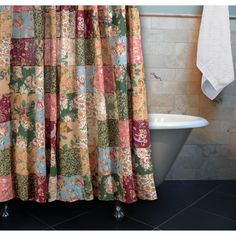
<point x="173" y="86"/>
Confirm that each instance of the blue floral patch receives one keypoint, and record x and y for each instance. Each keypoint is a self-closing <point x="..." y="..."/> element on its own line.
<point x="5" y="133"/>
<point x="85" y="77"/>
<point x="119" y="50"/>
<point x="23" y="24"/>
<point x="104" y="162"/>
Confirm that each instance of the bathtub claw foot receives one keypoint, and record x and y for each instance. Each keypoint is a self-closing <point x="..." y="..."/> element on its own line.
<point x="119" y="213"/>
<point x="5" y="211"/>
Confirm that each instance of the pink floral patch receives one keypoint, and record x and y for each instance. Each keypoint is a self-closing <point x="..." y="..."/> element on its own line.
<point x="50" y="52"/>
<point x="141" y="137"/>
<point x="51" y="106"/>
<point x="7" y="192"/>
<point x="22" y="8"/>
<point x="4" y="108"/>
<point x="105" y="80"/>
<point x="124" y="133"/>
<point x="135" y="49"/>
<point x="23" y="52"/>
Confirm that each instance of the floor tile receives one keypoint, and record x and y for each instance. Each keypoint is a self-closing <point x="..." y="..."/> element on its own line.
<point x="101" y="219"/>
<point x="196" y="219"/>
<point x="227" y="187"/>
<point x="173" y="197"/>
<point x="56" y="212"/>
<point x="21" y="220"/>
<point x="218" y="203"/>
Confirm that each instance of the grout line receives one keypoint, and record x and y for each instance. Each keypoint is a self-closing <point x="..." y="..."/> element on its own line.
<point x="139" y="221"/>
<point x="68" y="219"/>
<point x="193" y="203"/>
<point x="156" y="228"/>
<point x="38" y="219"/>
<point x="71" y="218"/>
<point x="212" y="213"/>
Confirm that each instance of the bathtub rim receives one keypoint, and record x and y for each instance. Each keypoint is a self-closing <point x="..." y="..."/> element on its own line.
<point x="190" y="122"/>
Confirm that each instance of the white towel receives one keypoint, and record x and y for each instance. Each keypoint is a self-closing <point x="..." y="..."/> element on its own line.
<point x="214" y="55"/>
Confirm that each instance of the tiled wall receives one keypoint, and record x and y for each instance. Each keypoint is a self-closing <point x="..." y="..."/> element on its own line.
<point x="173" y="86"/>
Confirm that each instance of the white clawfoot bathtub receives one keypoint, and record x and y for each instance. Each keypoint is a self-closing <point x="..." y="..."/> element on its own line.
<point x="168" y="135"/>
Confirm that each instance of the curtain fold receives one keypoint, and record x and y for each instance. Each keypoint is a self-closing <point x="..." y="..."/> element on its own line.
<point x="73" y="112"/>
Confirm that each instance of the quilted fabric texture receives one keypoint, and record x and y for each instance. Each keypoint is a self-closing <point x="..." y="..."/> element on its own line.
<point x="73" y="114"/>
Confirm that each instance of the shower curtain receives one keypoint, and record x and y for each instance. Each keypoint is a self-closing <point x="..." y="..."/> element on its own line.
<point x="73" y="115"/>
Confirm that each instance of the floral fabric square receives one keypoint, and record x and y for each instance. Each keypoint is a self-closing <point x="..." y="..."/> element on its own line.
<point x="23" y="24"/>
<point x="4" y="108"/>
<point x="23" y="52"/>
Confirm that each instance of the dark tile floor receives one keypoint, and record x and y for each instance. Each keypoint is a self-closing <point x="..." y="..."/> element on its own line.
<point x="182" y="205"/>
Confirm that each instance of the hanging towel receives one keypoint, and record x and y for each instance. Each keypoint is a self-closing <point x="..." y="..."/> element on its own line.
<point x="214" y="55"/>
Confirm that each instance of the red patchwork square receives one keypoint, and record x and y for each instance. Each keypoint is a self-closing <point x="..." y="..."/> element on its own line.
<point x="4" y="108"/>
<point x="141" y="135"/>
<point x="51" y="106"/>
<point x="50" y="52"/>
<point x="109" y="79"/>
<point x="50" y="134"/>
<point x="124" y="133"/>
<point x="105" y="80"/>
<point x="129" y="189"/>
<point x="23" y="52"/>
<point x="68" y="8"/>
<point x="84" y="24"/>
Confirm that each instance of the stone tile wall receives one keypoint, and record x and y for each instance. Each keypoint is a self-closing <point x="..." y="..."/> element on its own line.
<point x="174" y="86"/>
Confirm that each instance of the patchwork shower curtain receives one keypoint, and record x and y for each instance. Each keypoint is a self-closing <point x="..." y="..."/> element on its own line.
<point x="73" y="115"/>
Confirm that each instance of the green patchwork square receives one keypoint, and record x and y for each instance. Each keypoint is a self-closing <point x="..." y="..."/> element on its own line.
<point x="119" y="20"/>
<point x="80" y="52"/>
<point x="88" y="187"/>
<point x="103" y="135"/>
<point x="113" y="129"/>
<point x="25" y="186"/>
<point x="38" y="24"/>
<point x="24" y="105"/>
<point x="85" y="52"/>
<point x="120" y="72"/>
<point x="24" y="131"/>
<point x="108" y="133"/>
<point x="122" y="100"/>
<point x="69" y="164"/>
<point x="68" y="109"/>
<point x="142" y="160"/>
<point x="50" y="82"/>
<point x="104" y="190"/>
<point x="5" y="162"/>
<point x="23" y="79"/>
<point x="90" y="51"/>
<point x="111" y="106"/>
